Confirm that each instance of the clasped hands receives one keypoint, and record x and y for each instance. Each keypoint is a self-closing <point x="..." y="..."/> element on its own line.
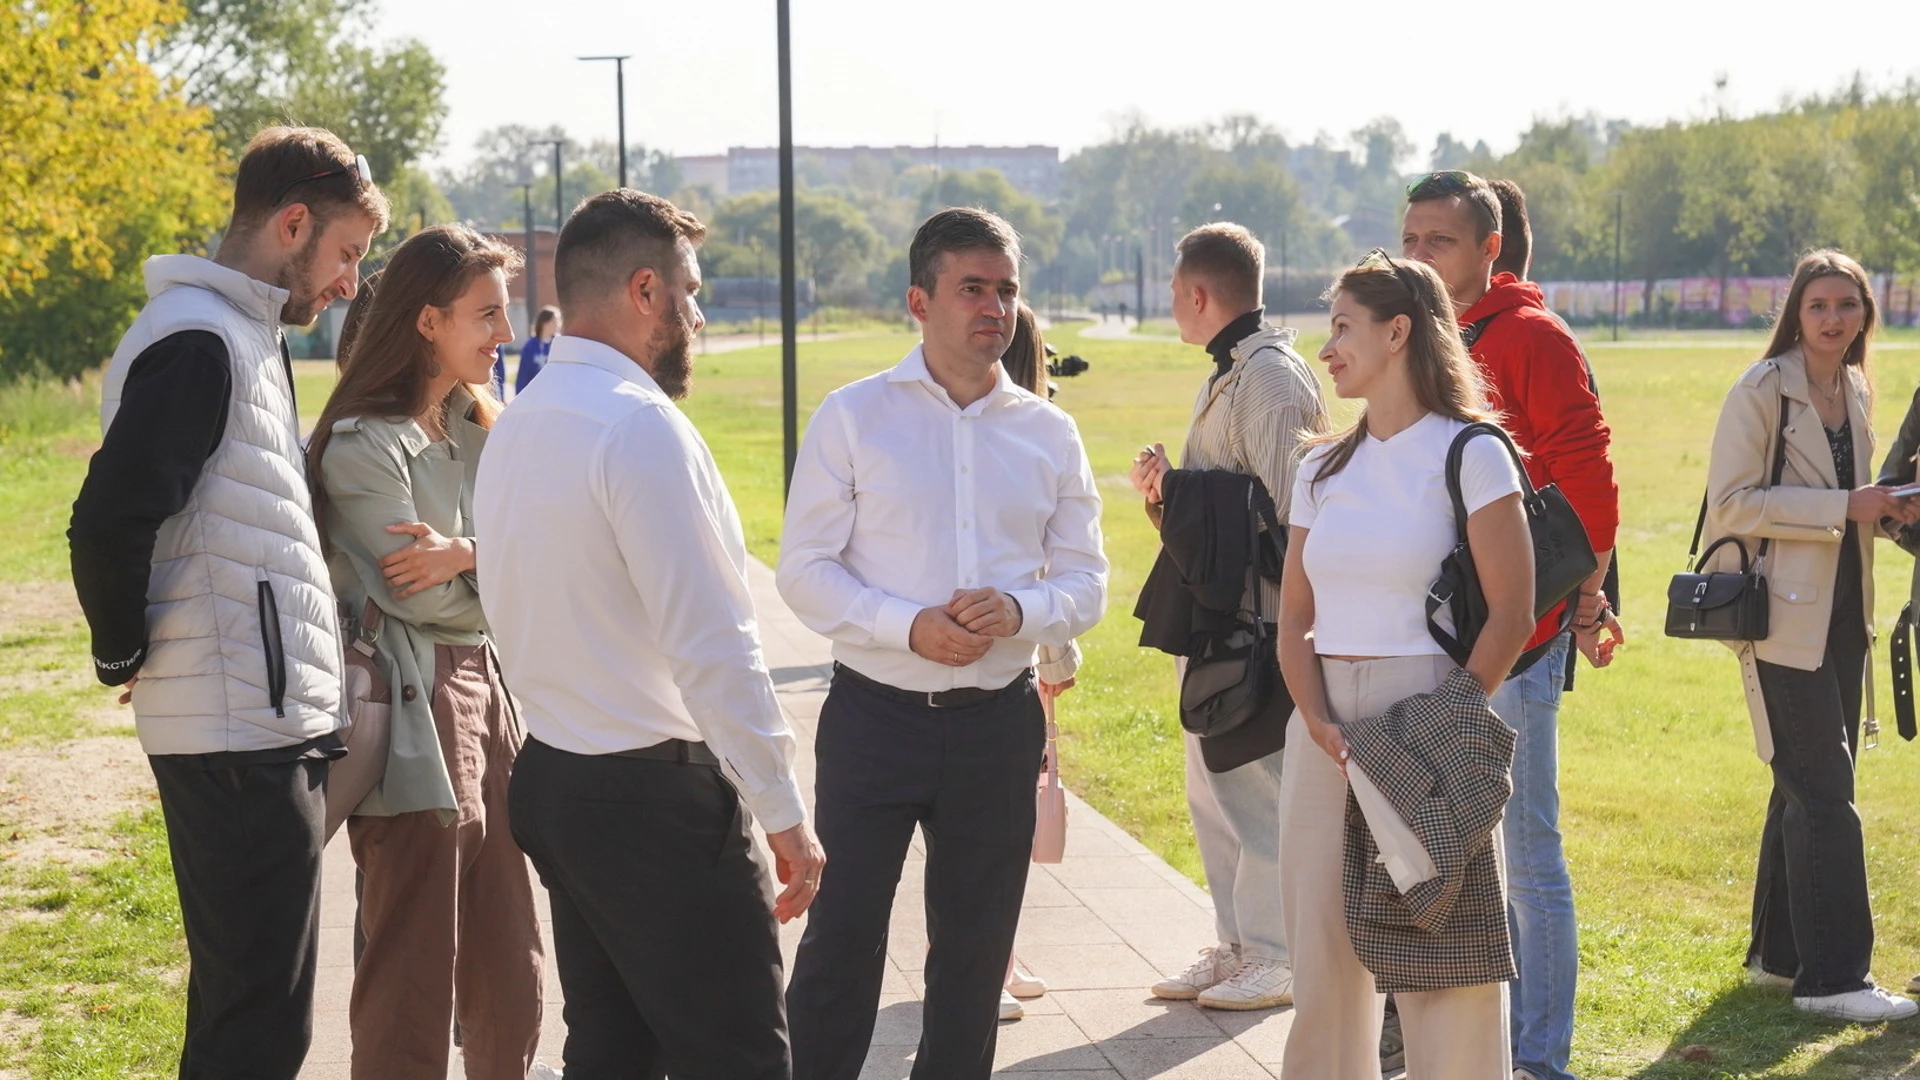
<point x="961" y="631"/>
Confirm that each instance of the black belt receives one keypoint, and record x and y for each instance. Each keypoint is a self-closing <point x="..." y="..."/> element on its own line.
<point x="958" y="698"/>
<point x="679" y="751"/>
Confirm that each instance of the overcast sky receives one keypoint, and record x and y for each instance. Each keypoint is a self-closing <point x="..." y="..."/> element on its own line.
<point x="1061" y="72"/>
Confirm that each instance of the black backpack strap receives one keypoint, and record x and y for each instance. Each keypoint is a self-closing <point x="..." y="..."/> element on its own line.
<point x="1902" y="653"/>
<point x="1470" y="333"/>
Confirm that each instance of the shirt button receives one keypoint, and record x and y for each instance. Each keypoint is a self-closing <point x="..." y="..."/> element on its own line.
<point x="1793" y="596"/>
<point x="408" y="694"/>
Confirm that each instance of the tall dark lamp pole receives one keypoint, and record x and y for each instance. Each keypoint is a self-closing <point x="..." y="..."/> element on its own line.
<point x="559" y="181"/>
<point x="1619" y="211"/>
<point x="789" y="306"/>
<point x="620" y="94"/>
<point x="533" y="264"/>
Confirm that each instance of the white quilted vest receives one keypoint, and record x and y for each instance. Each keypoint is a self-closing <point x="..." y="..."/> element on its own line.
<point x="243" y="642"/>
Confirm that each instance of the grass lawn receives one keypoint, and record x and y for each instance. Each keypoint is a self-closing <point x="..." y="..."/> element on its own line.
<point x="1663" y="797"/>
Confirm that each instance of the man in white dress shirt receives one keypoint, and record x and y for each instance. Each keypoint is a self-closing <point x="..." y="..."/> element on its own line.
<point x="613" y="571"/>
<point x="943" y="523"/>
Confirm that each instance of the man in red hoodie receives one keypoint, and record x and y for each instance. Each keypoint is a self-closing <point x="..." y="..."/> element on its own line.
<point x="1546" y="400"/>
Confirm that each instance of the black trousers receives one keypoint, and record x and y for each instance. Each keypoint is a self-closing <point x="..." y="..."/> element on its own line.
<point x="663" y="925"/>
<point x="1811" y="918"/>
<point x="246" y="842"/>
<point x="965" y="776"/>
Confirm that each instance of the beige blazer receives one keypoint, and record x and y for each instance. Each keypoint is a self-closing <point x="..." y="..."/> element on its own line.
<point x="1805" y="515"/>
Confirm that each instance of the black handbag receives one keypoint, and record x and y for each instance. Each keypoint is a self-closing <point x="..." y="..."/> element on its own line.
<point x="1729" y="605"/>
<point x="1227" y="685"/>
<point x="1562" y="558"/>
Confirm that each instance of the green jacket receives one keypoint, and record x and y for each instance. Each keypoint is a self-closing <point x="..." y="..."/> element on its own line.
<point x="380" y="472"/>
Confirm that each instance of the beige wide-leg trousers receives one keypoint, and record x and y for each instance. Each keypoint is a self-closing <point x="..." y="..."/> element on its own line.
<point x="1456" y="1034"/>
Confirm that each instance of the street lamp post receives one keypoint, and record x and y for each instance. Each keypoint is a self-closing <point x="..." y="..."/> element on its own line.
<point x="789" y="305"/>
<point x="1139" y="290"/>
<point x="1619" y="211"/>
<point x="620" y="96"/>
<point x="532" y="264"/>
<point x="559" y="181"/>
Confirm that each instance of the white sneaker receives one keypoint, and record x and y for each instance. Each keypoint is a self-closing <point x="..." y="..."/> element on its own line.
<point x="543" y="1071"/>
<point x="1010" y="1007"/>
<point x="1767" y="980"/>
<point x="1259" y="983"/>
<point x="1216" y="964"/>
<point x="1869" y="1006"/>
<point x="1023" y="985"/>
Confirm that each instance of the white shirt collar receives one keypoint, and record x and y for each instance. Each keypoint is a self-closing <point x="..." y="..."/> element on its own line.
<point x="913" y="368"/>
<point x="579" y="350"/>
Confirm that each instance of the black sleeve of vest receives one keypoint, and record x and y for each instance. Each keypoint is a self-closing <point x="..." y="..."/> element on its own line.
<point x="173" y="412"/>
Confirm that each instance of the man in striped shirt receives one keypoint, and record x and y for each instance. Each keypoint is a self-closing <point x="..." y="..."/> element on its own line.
<point x="1248" y="418"/>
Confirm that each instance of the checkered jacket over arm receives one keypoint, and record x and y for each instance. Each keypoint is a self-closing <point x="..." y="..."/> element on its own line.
<point x="1445" y="761"/>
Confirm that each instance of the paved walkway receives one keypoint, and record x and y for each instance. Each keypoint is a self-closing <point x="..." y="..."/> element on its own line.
<point x="1098" y="928"/>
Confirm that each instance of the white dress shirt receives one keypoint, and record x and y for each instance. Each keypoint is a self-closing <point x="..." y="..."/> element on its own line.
<point x="613" y="572"/>
<point x="900" y="497"/>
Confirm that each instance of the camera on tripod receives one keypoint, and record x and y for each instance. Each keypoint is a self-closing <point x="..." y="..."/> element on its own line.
<point x="1065" y="367"/>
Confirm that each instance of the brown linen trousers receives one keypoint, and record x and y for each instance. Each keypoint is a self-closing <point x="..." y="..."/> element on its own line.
<point x="448" y="909"/>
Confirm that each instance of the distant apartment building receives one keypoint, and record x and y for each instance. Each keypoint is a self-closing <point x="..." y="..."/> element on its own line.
<point x="1034" y="170"/>
<point x="704" y="170"/>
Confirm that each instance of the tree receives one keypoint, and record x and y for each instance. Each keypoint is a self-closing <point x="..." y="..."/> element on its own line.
<point x="834" y="244"/>
<point x="255" y="63"/>
<point x="102" y="167"/>
<point x="487" y="189"/>
<point x="986" y="189"/>
<point x="92" y="136"/>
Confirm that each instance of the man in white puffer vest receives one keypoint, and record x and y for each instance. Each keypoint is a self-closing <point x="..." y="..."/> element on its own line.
<point x="198" y="565"/>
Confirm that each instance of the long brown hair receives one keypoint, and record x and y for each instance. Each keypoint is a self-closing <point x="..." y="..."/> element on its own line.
<point x="1814" y="265"/>
<point x="355" y="318"/>
<point x="387" y="365"/>
<point x="1445" y="379"/>
<point x="1026" y="355"/>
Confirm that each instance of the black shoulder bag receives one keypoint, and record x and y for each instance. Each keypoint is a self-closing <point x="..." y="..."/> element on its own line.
<point x="1225" y="685"/>
<point x="1729" y="605"/>
<point x="1562" y="559"/>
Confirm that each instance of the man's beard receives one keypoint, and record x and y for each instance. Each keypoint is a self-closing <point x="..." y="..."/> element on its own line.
<point x="672" y="348"/>
<point x="303" y="304"/>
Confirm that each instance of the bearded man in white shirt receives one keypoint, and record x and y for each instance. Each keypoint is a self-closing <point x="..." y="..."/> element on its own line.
<point x="613" y="571"/>
<point x="943" y="523"/>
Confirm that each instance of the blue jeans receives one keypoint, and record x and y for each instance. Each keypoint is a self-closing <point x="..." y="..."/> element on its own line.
<point x="1539" y="893"/>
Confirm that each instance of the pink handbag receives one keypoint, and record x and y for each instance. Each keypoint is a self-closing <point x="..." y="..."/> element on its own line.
<point x="1050" y="799"/>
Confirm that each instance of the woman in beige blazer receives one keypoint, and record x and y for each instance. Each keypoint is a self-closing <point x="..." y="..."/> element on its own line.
<point x="1812" y="927"/>
<point x="447" y="900"/>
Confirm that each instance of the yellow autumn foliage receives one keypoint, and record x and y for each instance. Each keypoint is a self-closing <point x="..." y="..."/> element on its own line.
<point x="92" y="138"/>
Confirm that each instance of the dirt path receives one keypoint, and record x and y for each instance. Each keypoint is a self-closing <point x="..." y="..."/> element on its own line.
<point x="56" y="801"/>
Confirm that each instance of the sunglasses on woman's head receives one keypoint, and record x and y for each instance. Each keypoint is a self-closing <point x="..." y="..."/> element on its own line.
<point x="359" y="167"/>
<point x="1379" y="257"/>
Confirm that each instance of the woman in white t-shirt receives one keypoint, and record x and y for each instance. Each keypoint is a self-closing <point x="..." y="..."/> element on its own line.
<point x="1371" y="522"/>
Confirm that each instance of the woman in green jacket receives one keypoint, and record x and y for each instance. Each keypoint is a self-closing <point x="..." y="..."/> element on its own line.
<point x="447" y="903"/>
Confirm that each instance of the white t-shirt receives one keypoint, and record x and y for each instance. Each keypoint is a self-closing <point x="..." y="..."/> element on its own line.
<point x="1378" y="529"/>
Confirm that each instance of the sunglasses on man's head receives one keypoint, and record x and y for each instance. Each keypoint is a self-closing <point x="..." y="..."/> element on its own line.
<point x="1445" y="182"/>
<point x="359" y="166"/>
